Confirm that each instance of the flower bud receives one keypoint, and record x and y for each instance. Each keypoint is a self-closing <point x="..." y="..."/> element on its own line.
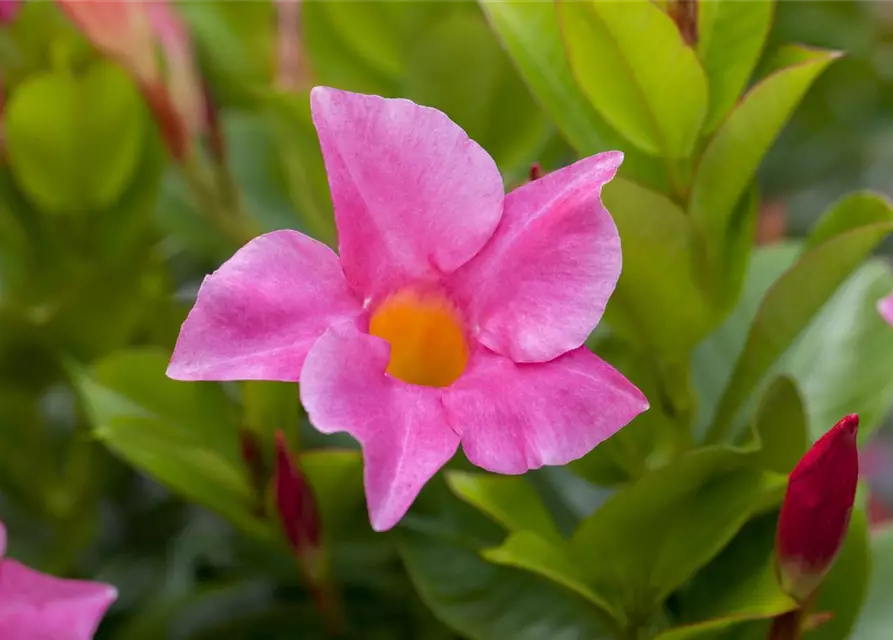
<point x="9" y="9"/>
<point x="816" y="510"/>
<point x="253" y="458"/>
<point x="885" y="308"/>
<point x="296" y="504"/>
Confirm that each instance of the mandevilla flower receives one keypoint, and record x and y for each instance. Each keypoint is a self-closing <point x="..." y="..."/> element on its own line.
<point x="452" y="313"/>
<point x="816" y="510"/>
<point x="885" y="308"/>
<point x="9" y="9"/>
<point x="34" y="605"/>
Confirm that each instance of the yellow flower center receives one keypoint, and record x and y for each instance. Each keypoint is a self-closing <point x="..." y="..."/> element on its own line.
<point x="426" y="336"/>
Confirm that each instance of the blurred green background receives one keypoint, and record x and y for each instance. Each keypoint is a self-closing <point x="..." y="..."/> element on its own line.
<point x="104" y="242"/>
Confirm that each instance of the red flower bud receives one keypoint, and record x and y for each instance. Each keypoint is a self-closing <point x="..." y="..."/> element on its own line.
<point x="816" y="511"/>
<point x="9" y="9"/>
<point x="296" y="504"/>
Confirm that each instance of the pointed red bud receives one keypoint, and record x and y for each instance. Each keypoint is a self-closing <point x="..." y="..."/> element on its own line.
<point x="249" y="446"/>
<point x="536" y="171"/>
<point x="815" y="514"/>
<point x="296" y="504"/>
<point x="9" y="9"/>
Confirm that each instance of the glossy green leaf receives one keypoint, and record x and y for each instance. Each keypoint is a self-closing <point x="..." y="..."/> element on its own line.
<point x="480" y="600"/>
<point x="509" y="500"/>
<point x="788" y="307"/>
<point x="74" y="142"/>
<point x="532" y="36"/>
<point x="551" y="560"/>
<point x="839" y="362"/>
<point x="636" y="70"/>
<point x="780" y="422"/>
<point x="844" y="589"/>
<point x="734" y="152"/>
<point x="731" y="36"/>
<point x="876" y="618"/>
<point x="653" y="535"/>
<point x="271" y="406"/>
<point x="658" y="299"/>
<point x="740" y="584"/>
<point x="456" y="66"/>
<point x="182" y="434"/>
<point x="854" y="210"/>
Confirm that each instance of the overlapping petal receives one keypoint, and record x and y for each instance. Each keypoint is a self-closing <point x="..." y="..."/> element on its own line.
<point x="402" y="428"/>
<point x="885" y="308"/>
<point x="414" y="197"/>
<point x="515" y="417"/>
<point x="541" y="284"/>
<point x="259" y="314"/>
<point x="34" y="605"/>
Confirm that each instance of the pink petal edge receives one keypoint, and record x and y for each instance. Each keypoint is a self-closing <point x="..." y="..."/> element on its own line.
<point x="540" y="286"/>
<point x="885" y="308"/>
<point x="36" y="605"/>
<point x="259" y="314"/>
<point x="401" y="428"/>
<point x="515" y="417"/>
<point x="414" y="197"/>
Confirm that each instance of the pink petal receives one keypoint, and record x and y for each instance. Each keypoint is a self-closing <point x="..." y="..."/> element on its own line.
<point x="540" y="286"/>
<point x="515" y="417"/>
<point x="2" y="540"/>
<point x="36" y="606"/>
<point x="401" y="427"/>
<point x="257" y="316"/>
<point x="414" y="197"/>
<point x="885" y="307"/>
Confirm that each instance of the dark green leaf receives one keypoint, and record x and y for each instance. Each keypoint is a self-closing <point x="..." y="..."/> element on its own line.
<point x="780" y="423"/>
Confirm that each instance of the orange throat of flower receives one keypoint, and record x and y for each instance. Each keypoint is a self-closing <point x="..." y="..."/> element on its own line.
<point x="426" y="335"/>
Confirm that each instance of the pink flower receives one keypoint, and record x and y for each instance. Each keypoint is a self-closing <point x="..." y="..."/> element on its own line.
<point x="452" y="313"/>
<point x="815" y="514"/>
<point x="34" y="605"/>
<point x="9" y="9"/>
<point x="885" y="308"/>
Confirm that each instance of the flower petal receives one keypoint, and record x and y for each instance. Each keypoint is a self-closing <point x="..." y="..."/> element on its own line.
<point x="36" y="605"/>
<point x="541" y="284"/>
<point x="414" y="197"/>
<point x="257" y="316"/>
<point x="885" y="307"/>
<point x="515" y="417"/>
<point x="401" y="427"/>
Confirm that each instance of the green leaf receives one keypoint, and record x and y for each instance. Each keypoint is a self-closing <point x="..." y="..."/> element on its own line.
<point x="634" y="67"/>
<point x="740" y="584"/>
<point x="780" y="423"/>
<point x="653" y="535"/>
<point x="271" y="406"/>
<point x="551" y="560"/>
<point x="787" y="308"/>
<point x="843" y="590"/>
<point x="731" y="36"/>
<point x="336" y="477"/>
<point x="531" y="34"/>
<point x="736" y="149"/>
<point x="509" y="500"/>
<point x="876" y="618"/>
<point x="480" y="600"/>
<point x="658" y="298"/>
<point x="74" y="143"/>
<point x="182" y="434"/>
<point x="854" y="210"/>
<point x="456" y="66"/>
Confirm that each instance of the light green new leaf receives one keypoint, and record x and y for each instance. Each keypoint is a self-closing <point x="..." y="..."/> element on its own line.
<point x="876" y="618"/>
<point x="531" y="35"/>
<point x="780" y="423"/>
<point x="509" y="500"/>
<point x="850" y="212"/>
<point x="182" y="434"/>
<point x="731" y="36"/>
<point x="526" y="550"/>
<point x="658" y="299"/>
<point x="631" y="62"/>
<point x="74" y="142"/>
<point x="653" y="535"/>
<point x="733" y="154"/>
<point x="739" y="585"/>
<point x="788" y="307"/>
